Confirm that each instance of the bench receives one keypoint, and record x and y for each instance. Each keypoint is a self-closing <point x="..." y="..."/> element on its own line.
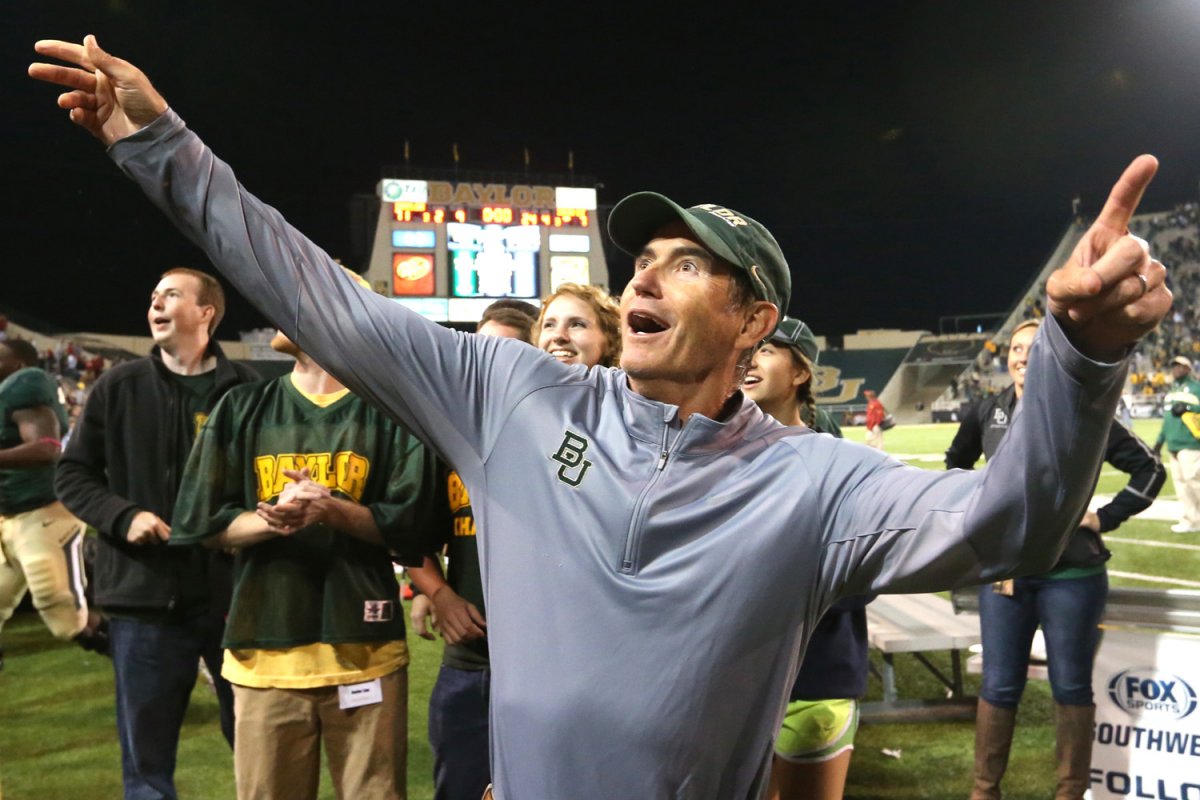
<point x="920" y="623"/>
<point x="1167" y="610"/>
<point x="916" y="624"/>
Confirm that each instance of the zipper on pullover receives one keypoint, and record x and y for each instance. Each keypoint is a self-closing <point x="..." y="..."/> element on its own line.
<point x="635" y="524"/>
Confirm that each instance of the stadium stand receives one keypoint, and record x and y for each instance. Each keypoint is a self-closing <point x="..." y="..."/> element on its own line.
<point x="1174" y="237"/>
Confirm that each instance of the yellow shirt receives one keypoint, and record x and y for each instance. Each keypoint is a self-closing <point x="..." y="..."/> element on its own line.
<point x="313" y="665"/>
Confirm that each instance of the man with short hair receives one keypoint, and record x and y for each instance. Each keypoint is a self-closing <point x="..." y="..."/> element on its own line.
<point x="40" y="542"/>
<point x="608" y="498"/>
<point x="1180" y="432"/>
<point x="312" y="487"/>
<point x="508" y="318"/>
<point x="120" y="473"/>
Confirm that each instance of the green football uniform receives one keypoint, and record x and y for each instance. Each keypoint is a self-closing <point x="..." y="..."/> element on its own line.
<point x="317" y="585"/>
<point x="26" y="489"/>
<point x="1176" y="433"/>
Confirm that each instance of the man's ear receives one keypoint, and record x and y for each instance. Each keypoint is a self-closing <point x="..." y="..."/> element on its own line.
<point x="760" y="321"/>
<point x="207" y="313"/>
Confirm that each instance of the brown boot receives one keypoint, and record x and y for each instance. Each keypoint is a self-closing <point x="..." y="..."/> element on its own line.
<point x="993" y="738"/>
<point x="1073" y="750"/>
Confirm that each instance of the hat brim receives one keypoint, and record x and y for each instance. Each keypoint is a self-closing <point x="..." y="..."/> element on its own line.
<point x="776" y="339"/>
<point x="635" y="219"/>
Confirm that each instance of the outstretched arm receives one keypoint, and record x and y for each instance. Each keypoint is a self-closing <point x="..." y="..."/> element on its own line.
<point x="453" y="390"/>
<point x="900" y="530"/>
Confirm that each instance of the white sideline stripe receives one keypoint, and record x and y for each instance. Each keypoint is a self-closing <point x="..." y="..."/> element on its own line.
<point x="1155" y="579"/>
<point x="1148" y="543"/>
<point x="1166" y="508"/>
<point x="921" y="457"/>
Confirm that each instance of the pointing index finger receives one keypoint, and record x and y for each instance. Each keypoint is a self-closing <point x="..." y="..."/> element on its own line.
<point x="1127" y="193"/>
<point x="64" y="51"/>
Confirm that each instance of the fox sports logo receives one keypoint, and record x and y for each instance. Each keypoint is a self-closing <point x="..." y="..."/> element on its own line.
<point x="1147" y="691"/>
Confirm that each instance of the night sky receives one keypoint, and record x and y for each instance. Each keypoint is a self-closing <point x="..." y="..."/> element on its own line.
<point x="914" y="160"/>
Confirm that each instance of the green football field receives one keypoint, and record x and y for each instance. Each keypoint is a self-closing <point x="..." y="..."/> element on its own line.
<point x="58" y="733"/>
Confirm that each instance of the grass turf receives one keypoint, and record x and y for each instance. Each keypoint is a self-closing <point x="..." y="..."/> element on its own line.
<point x="58" y="730"/>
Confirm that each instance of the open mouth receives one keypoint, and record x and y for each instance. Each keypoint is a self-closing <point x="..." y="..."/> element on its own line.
<point x="562" y="355"/>
<point x="161" y="320"/>
<point x="751" y="380"/>
<point x="644" y="324"/>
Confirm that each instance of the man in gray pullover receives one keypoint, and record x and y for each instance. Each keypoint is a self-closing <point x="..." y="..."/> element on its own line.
<point x="611" y="499"/>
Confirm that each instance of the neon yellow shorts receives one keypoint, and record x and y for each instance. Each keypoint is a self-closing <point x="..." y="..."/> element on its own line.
<point x="817" y="730"/>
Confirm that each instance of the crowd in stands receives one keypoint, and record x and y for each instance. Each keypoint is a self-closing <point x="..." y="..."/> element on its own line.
<point x="1177" y="237"/>
<point x="75" y="369"/>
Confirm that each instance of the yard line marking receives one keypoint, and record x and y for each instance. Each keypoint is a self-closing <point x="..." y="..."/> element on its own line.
<point x="1148" y="543"/>
<point x="1155" y="579"/>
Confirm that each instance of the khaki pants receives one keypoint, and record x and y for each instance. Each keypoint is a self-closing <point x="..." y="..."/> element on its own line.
<point x="875" y="437"/>
<point x="277" y="744"/>
<point x="1185" y="473"/>
<point x="42" y="551"/>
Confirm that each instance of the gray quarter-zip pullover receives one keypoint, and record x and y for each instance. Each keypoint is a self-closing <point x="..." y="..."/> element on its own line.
<point x="607" y="528"/>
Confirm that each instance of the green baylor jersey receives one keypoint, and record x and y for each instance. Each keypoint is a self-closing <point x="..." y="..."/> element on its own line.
<point x="457" y="524"/>
<point x="26" y="489"/>
<point x="316" y="585"/>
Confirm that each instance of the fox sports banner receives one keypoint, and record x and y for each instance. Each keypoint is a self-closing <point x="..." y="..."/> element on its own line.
<point x="1147" y="734"/>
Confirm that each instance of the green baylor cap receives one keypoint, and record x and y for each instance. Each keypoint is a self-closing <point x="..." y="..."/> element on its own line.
<point x="733" y="236"/>
<point x="791" y="332"/>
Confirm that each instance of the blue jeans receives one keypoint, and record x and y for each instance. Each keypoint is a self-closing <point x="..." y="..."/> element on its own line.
<point x="458" y="733"/>
<point x="1069" y="611"/>
<point x="155" y="666"/>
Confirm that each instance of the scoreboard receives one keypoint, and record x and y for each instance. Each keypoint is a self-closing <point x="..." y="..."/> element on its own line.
<point x="447" y="250"/>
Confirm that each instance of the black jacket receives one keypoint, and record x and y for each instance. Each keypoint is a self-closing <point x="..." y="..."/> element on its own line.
<point x="127" y="454"/>
<point x="983" y="427"/>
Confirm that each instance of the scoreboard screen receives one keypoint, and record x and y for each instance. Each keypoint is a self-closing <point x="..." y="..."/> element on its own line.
<point x="489" y="215"/>
<point x="445" y="249"/>
<point x="493" y="260"/>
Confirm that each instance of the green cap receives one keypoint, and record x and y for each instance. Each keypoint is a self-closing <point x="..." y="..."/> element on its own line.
<point x="729" y="234"/>
<point x="796" y="334"/>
